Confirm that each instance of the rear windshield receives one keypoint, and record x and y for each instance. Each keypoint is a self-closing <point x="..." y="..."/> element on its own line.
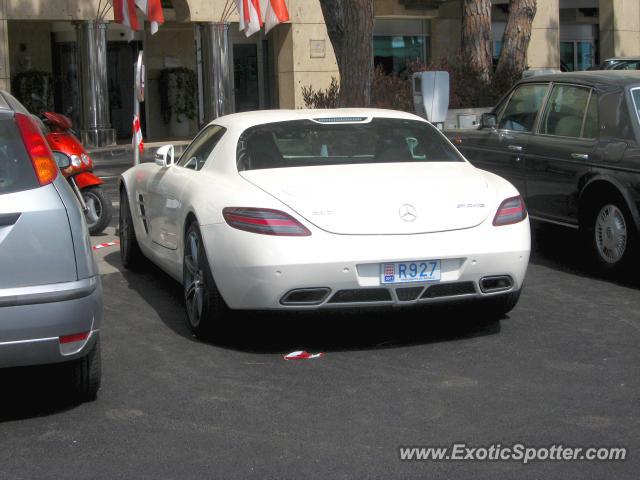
<point x="16" y="171"/>
<point x="302" y="143"/>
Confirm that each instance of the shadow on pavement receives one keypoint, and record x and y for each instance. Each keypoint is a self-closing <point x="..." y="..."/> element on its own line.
<point x="327" y="330"/>
<point x="561" y="249"/>
<point x="34" y="392"/>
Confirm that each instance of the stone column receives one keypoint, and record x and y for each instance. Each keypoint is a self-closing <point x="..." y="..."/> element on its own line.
<point x="544" y="46"/>
<point x="216" y="77"/>
<point x="96" y="128"/>
<point x="619" y="28"/>
<point x="5" y="77"/>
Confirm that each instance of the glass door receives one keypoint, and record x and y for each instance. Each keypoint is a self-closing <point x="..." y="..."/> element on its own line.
<point x="245" y="75"/>
<point x="121" y="56"/>
<point x="66" y="95"/>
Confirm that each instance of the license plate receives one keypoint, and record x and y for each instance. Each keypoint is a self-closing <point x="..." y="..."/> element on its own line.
<point x="408" y="272"/>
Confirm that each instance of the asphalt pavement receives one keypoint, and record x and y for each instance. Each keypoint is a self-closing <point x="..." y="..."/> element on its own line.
<point x="562" y="368"/>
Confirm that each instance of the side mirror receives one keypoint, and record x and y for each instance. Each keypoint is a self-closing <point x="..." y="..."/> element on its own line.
<point x="164" y="156"/>
<point x="488" y="120"/>
<point x="63" y="161"/>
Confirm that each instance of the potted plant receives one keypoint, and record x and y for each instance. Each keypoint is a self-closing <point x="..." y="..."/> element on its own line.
<point x="178" y="90"/>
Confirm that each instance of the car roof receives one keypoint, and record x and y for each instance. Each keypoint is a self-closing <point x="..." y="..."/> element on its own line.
<point x="3" y="102"/>
<point x="601" y="79"/>
<point x="622" y="59"/>
<point x="260" y="117"/>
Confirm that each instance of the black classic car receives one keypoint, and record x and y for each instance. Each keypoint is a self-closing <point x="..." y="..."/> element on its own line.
<point x="570" y="142"/>
<point x="618" y="63"/>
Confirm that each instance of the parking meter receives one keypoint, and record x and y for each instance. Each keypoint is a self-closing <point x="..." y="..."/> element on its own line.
<point x="431" y="96"/>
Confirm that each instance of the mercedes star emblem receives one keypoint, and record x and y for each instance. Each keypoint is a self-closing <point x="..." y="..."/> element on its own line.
<point x="407" y="212"/>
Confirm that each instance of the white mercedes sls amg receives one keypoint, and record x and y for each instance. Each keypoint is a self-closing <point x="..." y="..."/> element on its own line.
<point x="317" y="209"/>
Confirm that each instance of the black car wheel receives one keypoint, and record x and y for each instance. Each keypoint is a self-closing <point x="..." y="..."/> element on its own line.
<point x="86" y="374"/>
<point x="205" y="306"/>
<point x="130" y="253"/>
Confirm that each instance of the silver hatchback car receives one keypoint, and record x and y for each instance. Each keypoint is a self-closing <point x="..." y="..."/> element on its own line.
<point x="50" y="292"/>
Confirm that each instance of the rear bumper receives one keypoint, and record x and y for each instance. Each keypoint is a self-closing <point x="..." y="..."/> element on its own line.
<point x="33" y="318"/>
<point x="257" y="271"/>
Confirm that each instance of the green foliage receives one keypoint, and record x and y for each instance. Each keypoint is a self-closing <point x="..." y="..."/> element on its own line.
<point x="34" y="89"/>
<point x="178" y="93"/>
<point x="327" y="98"/>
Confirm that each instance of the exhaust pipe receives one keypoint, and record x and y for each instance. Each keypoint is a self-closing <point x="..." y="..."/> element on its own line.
<point x="305" y="296"/>
<point x="498" y="283"/>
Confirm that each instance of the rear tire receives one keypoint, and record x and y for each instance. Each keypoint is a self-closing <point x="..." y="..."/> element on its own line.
<point x="86" y="375"/>
<point x="130" y="254"/>
<point x="95" y="199"/>
<point x="206" y="309"/>
<point x="610" y="235"/>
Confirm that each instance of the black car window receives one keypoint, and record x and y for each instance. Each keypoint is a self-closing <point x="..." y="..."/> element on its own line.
<point x="196" y="154"/>
<point x="627" y="66"/>
<point x="591" y="128"/>
<point x="635" y="93"/>
<point x="302" y="143"/>
<point x="520" y="113"/>
<point x="565" y="111"/>
<point x="16" y="170"/>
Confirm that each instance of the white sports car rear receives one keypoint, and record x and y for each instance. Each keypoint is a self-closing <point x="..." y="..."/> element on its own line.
<point x="324" y="208"/>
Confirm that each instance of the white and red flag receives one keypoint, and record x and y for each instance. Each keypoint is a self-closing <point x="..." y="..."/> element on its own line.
<point x="276" y="13"/>
<point x="124" y="12"/>
<point x="137" y="135"/>
<point x="153" y="11"/>
<point x="250" y="16"/>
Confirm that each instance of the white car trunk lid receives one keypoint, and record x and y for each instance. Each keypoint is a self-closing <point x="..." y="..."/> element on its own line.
<point x="381" y="199"/>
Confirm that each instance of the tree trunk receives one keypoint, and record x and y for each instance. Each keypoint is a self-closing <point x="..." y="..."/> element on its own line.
<point x="516" y="38"/>
<point x="476" y="38"/>
<point x="350" y="27"/>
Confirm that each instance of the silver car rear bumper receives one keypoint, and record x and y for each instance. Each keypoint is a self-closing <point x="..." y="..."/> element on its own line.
<point x="33" y="318"/>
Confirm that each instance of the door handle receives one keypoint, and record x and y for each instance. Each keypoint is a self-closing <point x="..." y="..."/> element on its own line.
<point x="580" y="156"/>
<point x="515" y="148"/>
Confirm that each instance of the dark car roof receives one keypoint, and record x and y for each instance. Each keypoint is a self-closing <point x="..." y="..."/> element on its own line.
<point x="622" y="59"/>
<point x="600" y="79"/>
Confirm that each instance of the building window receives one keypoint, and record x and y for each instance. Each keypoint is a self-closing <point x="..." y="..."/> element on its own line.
<point x="396" y="43"/>
<point x="578" y="55"/>
<point x="497" y="49"/>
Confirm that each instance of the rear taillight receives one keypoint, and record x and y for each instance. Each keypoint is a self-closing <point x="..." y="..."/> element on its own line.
<point x="264" y="221"/>
<point x="512" y="210"/>
<point x="38" y="149"/>
<point x="76" y="337"/>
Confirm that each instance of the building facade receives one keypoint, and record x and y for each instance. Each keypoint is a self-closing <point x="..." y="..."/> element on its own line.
<point x="92" y="81"/>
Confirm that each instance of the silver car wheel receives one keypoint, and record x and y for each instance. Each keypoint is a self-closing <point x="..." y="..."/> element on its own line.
<point x="194" y="286"/>
<point x="611" y="234"/>
<point x="94" y="208"/>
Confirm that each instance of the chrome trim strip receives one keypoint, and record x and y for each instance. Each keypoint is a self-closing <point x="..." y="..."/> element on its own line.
<point x="56" y="292"/>
<point x="555" y="222"/>
<point x="29" y="340"/>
